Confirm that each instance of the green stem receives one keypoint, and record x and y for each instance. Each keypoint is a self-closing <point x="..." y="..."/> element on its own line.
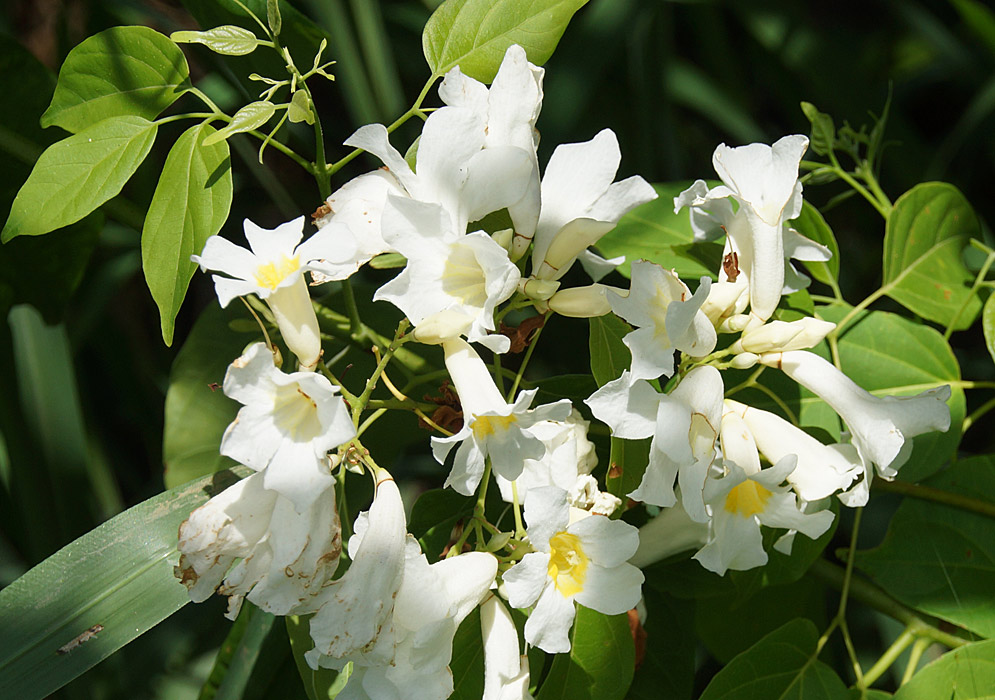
<point x="977" y="414"/>
<point x="889" y="657"/>
<point x="920" y="646"/>
<point x="928" y="493"/>
<point x="848" y="574"/>
<point x="525" y="361"/>
<point x="356" y="328"/>
<point x="872" y="596"/>
<point x="849" y="179"/>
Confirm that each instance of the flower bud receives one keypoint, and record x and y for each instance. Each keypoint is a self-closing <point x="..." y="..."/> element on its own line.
<point x="583" y="302"/>
<point x="783" y="336"/>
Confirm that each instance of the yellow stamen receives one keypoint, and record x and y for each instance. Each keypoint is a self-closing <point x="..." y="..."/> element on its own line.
<point x="747" y="499"/>
<point x="488" y="425"/>
<point x="272" y="274"/>
<point x="567" y="563"/>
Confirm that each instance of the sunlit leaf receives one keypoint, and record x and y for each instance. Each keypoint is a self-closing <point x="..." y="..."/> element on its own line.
<point x="118" y="72"/>
<point x="190" y="205"/>
<point x="227" y="39"/>
<point x="78" y="174"/>
<point x="811" y="225"/>
<point x="654" y="232"/>
<point x="967" y="673"/>
<point x="600" y="664"/>
<point x="475" y="34"/>
<point x="251" y="116"/>
<point x="118" y="578"/>
<point x="926" y="233"/>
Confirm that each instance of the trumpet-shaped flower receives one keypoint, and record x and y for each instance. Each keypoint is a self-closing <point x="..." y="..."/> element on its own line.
<point x="450" y="275"/>
<point x="508" y="112"/>
<point x="667" y="318"/>
<point x="669" y="533"/>
<point x="747" y="497"/>
<point x="506" y="670"/>
<point x="274" y="268"/>
<point x="354" y="618"/>
<point x="432" y="601"/>
<point x="821" y="470"/>
<point x="882" y="427"/>
<point x="284" y="555"/>
<point x="763" y="181"/>
<point x="581" y="203"/>
<point x="684" y="426"/>
<point x="780" y="336"/>
<point x="455" y="168"/>
<point x="286" y="426"/>
<point x="491" y="426"/>
<point x="584" y="562"/>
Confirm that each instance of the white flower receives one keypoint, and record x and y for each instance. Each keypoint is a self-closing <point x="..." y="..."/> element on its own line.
<point x="286" y="426"/>
<point x="583" y="302"/>
<point x="568" y="455"/>
<point x="431" y="603"/>
<point x="508" y="113"/>
<point x="461" y="277"/>
<point x="580" y="203"/>
<point x="763" y="180"/>
<point x="821" y="470"/>
<point x="780" y="336"/>
<point x="583" y="562"/>
<point x="284" y="556"/>
<point x="455" y="167"/>
<point x="667" y="318"/>
<point x="491" y="426"/>
<point x="671" y="532"/>
<point x="882" y="427"/>
<point x="683" y="425"/>
<point x="354" y="613"/>
<point x="506" y="671"/>
<point x="747" y="497"/>
<point x="274" y="270"/>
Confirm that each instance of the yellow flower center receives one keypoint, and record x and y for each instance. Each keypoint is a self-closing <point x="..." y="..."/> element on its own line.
<point x="296" y="414"/>
<point x="484" y="426"/>
<point x="749" y="498"/>
<point x="463" y="278"/>
<point x="272" y="274"/>
<point x="567" y="563"/>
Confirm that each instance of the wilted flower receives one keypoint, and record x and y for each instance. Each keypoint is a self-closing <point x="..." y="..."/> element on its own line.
<point x="284" y="555"/>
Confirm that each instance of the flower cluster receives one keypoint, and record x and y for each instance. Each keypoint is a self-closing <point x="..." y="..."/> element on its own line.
<point x="720" y="470"/>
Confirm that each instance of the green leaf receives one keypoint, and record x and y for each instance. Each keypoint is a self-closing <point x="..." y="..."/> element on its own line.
<point x="979" y="18"/>
<point x="729" y="626"/>
<point x="273" y="18"/>
<point x="78" y="174"/>
<point x="609" y="355"/>
<point x="475" y="34"/>
<point x="988" y="324"/>
<point x="890" y="355"/>
<point x="238" y="655"/>
<point x="118" y="576"/>
<point x="782" y="665"/>
<point x="626" y="465"/>
<point x="228" y="39"/>
<point x="299" y="109"/>
<point x="667" y="670"/>
<point x="197" y="412"/>
<point x="190" y="205"/>
<point x="939" y="558"/>
<point x="321" y="684"/>
<point x="251" y="116"/>
<point x="600" y="664"/>
<point x="122" y="71"/>
<point x="926" y="232"/>
<point x="967" y="673"/>
<point x="654" y="232"/>
<point x="433" y="517"/>
<point x="823" y="129"/>
<point x="811" y="225"/>
<point x="467" y="664"/>
<point x="575" y="387"/>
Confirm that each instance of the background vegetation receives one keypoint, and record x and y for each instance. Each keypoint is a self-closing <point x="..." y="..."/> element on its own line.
<point x="82" y="386"/>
